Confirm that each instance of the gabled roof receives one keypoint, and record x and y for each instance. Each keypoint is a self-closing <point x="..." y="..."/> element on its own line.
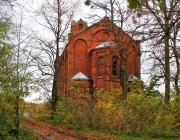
<point x="105" y="19"/>
<point x="80" y="76"/>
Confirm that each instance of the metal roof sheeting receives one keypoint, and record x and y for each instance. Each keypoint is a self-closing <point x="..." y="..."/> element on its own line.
<point x="132" y="77"/>
<point x="80" y="76"/>
<point x="108" y="43"/>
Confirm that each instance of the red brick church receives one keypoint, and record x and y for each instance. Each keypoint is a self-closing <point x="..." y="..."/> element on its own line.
<point x="91" y="57"/>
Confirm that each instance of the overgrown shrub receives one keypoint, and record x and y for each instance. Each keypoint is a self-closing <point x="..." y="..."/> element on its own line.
<point x="140" y="114"/>
<point x="147" y="115"/>
<point x="107" y="112"/>
<point x="71" y="113"/>
<point x="175" y="106"/>
<point x="6" y="125"/>
<point x="7" y="128"/>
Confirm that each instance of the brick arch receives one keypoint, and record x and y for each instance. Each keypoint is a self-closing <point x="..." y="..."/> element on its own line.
<point x="100" y="36"/>
<point x="80" y="56"/>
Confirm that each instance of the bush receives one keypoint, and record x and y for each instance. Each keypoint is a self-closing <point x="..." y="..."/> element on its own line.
<point x="7" y="128"/>
<point x="141" y="114"/>
<point x="70" y="113"/>
<point x="175" y="105"/>
<point x="107" y="112"/>
<point x="6" y="125"/>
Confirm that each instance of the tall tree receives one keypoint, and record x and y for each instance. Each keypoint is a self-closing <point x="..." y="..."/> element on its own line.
<point x="118" y="16"/>
<point x="14" y="78"/>
<point x="159" y="28"/>
<point x="14" y="59"/>
<point x="163" y="18"/>
<point x="20" y="39"/>
<point x="175" y="38"/>
<point x="57" y="15"/>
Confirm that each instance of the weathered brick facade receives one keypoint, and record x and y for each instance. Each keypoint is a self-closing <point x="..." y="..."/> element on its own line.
<point x="94" y="51"/>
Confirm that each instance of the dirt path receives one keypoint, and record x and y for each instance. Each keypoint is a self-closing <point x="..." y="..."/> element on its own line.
<point x="45" y="131"/>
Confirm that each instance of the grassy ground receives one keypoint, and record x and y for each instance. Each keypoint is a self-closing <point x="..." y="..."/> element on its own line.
<point x="122" y="136"/>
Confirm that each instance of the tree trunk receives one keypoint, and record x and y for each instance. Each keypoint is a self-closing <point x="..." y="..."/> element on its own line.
<point x="54" y="90"/>
<point x="167" y="62"/>
<point x="174" y="49"/>
<point x="16" y="118"/>
<point x="176" y="79"/>
<point x="123" y="74"/>
<point x="56" y="67"/>
<point x="53" y="102"/>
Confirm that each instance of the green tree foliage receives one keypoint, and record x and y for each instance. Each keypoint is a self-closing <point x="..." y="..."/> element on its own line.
<point x="176" y="110"/>
<point x="11" y="86"/>
<point x="6" y="124"/>
<point x="133" y="4"/>
<point x="5" y="59"/>
<point x="3" y="31"/>
<point x="7" y="82"/>
<point x="137" y="4"/>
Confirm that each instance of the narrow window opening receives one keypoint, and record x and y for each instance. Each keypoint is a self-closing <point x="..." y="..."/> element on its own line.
<point x="80" y="27"/>
<point x="114" y="66"/>
<point x="101" y="66"/>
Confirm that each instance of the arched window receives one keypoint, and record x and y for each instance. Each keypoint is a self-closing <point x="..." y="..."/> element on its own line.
<point x="114" y="65"/>
<point x="80" y="27"/>
<point x="100" y="66"/>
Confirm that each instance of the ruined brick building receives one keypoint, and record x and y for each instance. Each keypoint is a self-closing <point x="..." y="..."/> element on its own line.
<point x="91" y="56"/>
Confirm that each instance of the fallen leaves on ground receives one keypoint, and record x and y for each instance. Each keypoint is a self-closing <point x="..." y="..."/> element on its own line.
<point x="45" y="131"/>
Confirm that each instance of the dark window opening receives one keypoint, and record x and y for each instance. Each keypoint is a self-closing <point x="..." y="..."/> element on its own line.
<point x="80" y="27"/>
<point x="114" y="66"/>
